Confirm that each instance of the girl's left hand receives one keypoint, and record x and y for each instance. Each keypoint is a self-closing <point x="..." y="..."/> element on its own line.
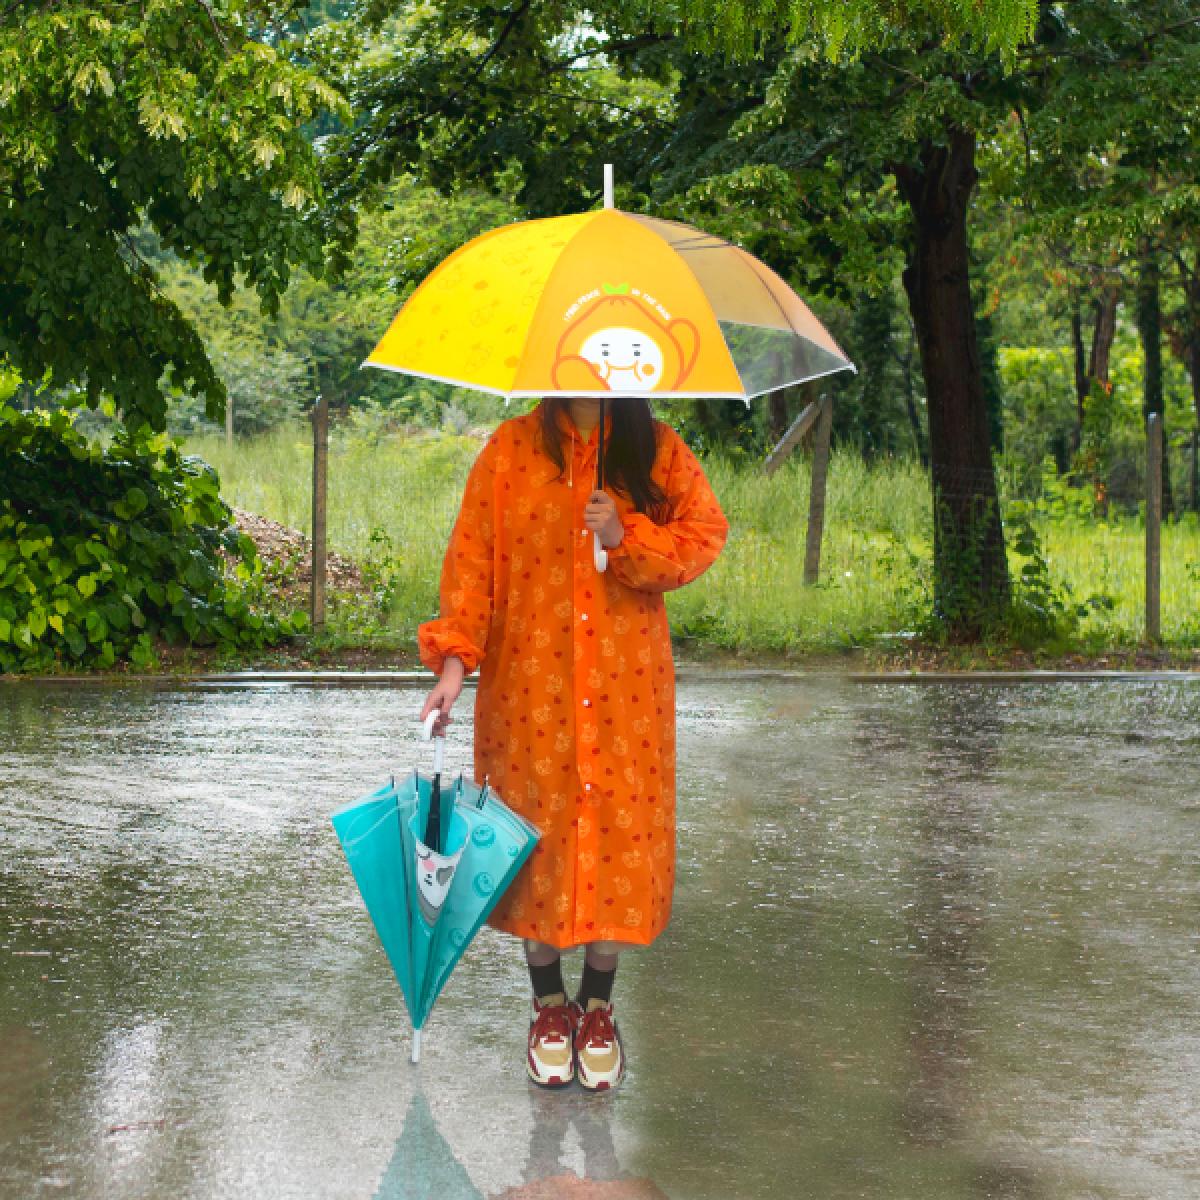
<point x="600" y="516"/>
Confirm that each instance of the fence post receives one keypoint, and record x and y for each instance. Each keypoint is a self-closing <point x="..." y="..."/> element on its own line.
<point x="791" y="439"/>
<point x="1153" y="523"/>
<point x="816" y="495"/>
<point x="320" y="420"/>
<point x="1195" y="470"/>
<point x="228" y="421"/>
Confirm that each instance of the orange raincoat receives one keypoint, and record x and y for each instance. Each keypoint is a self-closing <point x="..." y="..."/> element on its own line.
<point x="575" y="709"/>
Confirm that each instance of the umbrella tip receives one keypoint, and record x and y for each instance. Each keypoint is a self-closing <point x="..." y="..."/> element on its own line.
<point x="608" y="185"/>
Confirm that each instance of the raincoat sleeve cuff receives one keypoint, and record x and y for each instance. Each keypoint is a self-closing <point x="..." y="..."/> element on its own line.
<point x="658" y="558"/>
<point x="438" y="641"/>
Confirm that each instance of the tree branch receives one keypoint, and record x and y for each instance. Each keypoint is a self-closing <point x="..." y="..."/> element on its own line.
<point x="216" y="28"/>
<point x="503" y="36"/>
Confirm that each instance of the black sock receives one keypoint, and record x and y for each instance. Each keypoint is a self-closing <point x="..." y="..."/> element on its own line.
<point x="548" y="979"/>
<point x="595" y="985"/>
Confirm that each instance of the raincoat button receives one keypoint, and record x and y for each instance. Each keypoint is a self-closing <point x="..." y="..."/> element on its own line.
<point x="587" y="704"/>
<point x="587" y="787"/>
<point x="583" y="617"/>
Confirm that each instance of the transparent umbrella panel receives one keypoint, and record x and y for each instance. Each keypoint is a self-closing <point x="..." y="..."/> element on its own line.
<point x="772" y="336"/>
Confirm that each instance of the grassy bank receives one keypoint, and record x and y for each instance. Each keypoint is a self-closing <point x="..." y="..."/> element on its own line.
<point x="392" y="501"/>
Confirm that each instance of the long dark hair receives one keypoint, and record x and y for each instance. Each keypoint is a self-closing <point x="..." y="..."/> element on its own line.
<point x="629" y="452"/>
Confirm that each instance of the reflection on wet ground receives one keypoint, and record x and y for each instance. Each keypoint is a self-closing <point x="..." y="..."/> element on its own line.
<point x="937" y="942"/>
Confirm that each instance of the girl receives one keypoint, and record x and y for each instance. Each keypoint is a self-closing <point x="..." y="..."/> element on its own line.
<point x="575" y="709"/>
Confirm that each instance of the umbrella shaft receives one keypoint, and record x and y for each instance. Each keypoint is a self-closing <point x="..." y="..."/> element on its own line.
<point x="600" y="446"/>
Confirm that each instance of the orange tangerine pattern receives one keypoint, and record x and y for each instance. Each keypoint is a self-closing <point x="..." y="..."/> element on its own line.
<point x="575" y="709"/>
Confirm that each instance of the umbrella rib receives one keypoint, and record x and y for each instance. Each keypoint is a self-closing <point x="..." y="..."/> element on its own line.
<point x="475" y="387"/>
<point x="775" y="299"/>
<point x="700" y="287"/>
<point x="847" y="366"/>
<point x="697" y="243"/>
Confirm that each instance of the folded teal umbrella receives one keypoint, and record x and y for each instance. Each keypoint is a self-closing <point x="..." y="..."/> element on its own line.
<point x="431" y="863"/>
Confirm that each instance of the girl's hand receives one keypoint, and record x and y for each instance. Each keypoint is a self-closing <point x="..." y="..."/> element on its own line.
<point x="600" y="516"/>
<point x="444" y="694"/>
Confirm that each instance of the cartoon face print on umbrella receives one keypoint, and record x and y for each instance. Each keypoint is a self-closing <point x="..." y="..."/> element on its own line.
<point x="623" y="341"/>
<point x="627" y="360"/>
<point x="435" y="873"/>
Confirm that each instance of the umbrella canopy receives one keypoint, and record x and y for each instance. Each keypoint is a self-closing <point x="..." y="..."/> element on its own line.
<point x="428" y="901"/>
<point x="607" y="302"/>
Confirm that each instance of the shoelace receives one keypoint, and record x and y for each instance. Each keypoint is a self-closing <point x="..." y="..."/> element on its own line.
<point x="553" y="1024"/>
<point x="596" y="1029"/>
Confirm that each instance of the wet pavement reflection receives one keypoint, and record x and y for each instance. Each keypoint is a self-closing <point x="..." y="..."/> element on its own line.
<point x="938" y="941"/>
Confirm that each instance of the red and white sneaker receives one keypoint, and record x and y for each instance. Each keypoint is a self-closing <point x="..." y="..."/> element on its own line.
<point x="551" y="1056"/>
<point x="599" y="1054"/>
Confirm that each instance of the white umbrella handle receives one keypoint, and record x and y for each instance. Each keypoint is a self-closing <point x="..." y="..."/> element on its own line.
<point x="439" y="744"/>
<point x="599" y="554"/>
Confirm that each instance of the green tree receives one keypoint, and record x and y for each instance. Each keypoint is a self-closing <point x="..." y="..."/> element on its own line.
<point x="125" y="128"/>
<point x="1113" y="152"/>
<point x="325" y="327"/>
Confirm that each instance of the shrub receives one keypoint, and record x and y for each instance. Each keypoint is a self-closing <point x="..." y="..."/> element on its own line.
<point x="102" y="551"/>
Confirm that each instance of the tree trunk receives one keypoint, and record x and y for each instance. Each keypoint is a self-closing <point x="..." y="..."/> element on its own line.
<point x="1081" y="376"/>
<point x="1149" y="323"/>
<point x="971" y="585"/>
<point x="1194" y="371"/>
<point x="1103" y="333"/>
<point x="1093" y="369"/>
<point x="1192" y="359"/>
<point x="993" y="389"/>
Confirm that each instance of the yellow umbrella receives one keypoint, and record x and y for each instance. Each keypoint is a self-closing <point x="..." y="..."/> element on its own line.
<point x="607" y="303"/>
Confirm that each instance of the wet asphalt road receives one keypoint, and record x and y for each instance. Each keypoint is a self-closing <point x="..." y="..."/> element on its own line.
<point x="936" y="941"/>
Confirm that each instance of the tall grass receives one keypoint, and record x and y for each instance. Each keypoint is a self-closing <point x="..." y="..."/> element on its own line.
<point x="755" y="598"/>
<point x="875" y="564"/>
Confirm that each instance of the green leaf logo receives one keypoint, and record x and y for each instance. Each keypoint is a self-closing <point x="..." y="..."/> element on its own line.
<point x="615" y="289"/>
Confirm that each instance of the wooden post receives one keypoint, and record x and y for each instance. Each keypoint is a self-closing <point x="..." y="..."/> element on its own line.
<point x="320" y="420"/>
<point x="1195" y="470"/>
<point x="228" y="421"/>
<point x="796" y="431"/>
<point x="1153" y="522"/>
<point x="816" y="496"/>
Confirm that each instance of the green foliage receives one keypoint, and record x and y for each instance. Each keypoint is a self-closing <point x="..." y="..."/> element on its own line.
<point x="127" y="128"/>
<point x="275" y="366"/>
<point x="1039" y="406"/>
<point x="1061" y="499"/>
<point x="841" y="28"/>
<point x="102" y="552"/>
<point x="264" y="387"/>
<point x="10" y="380"/>
<point x="1043" y="611"/>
